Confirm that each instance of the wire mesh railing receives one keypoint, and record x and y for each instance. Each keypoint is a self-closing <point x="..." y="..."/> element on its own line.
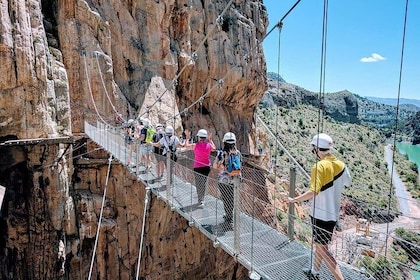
<point x="366" y="232"/>
<point x="255" y="228"/>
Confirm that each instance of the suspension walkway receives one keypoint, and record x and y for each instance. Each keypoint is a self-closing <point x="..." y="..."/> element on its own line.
<point x="253" y="239"/>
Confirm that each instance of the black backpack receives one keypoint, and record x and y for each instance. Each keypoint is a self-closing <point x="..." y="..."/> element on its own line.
<point x="172" y="148"/>
<point x="156" y="138"/>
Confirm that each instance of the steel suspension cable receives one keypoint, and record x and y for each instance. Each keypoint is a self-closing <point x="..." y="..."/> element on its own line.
<point x="280" y="22"/>
<point x="194" y="55"/>
<point x="54" y="163"/>
<point x="251" y="273"/>
<point x="321" y="95"/>
<point x="396" y="118"/>
<point x="280" y="25"/>
<point x="96" y="54"/>
<point x="90" y="91"/>
<point x="100" y="219"/>
<point x="301" y="169"/>
<point x="320" y="124"/>
<point x="246" y="57"/>
<point x="146" y="203"/>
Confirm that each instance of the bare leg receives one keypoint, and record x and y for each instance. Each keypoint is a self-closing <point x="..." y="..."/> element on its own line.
<point x="161" y="168"/>
<point x="322" y="253"/>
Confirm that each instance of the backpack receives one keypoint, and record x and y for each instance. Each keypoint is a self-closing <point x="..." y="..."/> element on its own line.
<point x="158" y="135"/>
<point x="234" y="164"/>
<point x="150" y="132"/>
<point x="172" y="148"/>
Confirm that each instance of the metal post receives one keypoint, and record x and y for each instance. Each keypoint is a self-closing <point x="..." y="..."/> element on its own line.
<point x="291" y="224"/>
<point x="236" y="214"/>
<point x="168" y="174"/>
<point x="137" y="154"/>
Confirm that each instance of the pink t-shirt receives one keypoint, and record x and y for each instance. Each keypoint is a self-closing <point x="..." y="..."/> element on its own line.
<point x="202" y="152"/>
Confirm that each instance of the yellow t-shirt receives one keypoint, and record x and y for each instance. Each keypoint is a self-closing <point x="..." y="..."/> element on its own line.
<point x="328" y="178"/>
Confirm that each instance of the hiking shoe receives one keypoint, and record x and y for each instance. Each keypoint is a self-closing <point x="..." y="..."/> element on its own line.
<point x="228" y="219"/>
<point x="227" y="226"/>
<point x="311" y="274"/>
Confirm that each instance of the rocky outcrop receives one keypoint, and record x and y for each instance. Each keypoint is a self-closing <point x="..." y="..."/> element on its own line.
<point x="64" y="62"/>
<point x="341" y="106"/>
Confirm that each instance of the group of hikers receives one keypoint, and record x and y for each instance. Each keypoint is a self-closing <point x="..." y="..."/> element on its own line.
<point x="329" y="176"/>
<point x="157" y="142"/>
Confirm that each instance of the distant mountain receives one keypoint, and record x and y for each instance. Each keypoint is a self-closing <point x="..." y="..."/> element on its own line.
<point x="275" y="76"/>
<point x="393" y="101"/>
<point x="345" y="106"/>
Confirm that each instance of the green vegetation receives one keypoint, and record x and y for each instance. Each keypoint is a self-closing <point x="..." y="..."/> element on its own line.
<point x="409" y="242"/>
<point x="408" y="172"/>
<point x="375" y="267"/>
<point x="360" y="147"/>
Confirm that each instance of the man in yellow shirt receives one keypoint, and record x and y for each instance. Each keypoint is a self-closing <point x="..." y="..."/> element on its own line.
<point x="328" y="178"/>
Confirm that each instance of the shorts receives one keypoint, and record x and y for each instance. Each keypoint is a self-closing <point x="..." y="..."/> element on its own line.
<point x="322" y="230"/>
<point x="128" y="139"/>
<point x="145" y="149"/>
<point x="158" y="154"/>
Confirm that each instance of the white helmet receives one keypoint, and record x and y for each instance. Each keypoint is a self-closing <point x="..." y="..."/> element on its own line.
<point x="159" y="126"/>
<point x="131" y="122"/>
<point x="229" y="137"/>
<point x="202" y="133"/>
<point x="146" y="122"/>
<point x="169" y="130"/>
<point x="322" y="141"/>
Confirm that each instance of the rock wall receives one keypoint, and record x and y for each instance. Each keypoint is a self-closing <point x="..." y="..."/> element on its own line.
<point x="34" y="86"/>
<point x="181" y="42"/>
<point x="171" y="249"/>
<point x="64" y="62"/>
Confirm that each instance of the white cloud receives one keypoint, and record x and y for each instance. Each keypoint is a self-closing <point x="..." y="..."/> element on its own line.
<point x="373" y="58"/>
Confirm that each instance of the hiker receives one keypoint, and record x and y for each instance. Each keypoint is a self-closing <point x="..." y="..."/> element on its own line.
<point x="202" y="150"/>
<point x="168" y="143"/>
<point x="328" y="178"/>
<point x="228" y="164"/>
<point x="260" y="147"/>
<point x="118" y="119"/>
<point x="158" y="150"/>
<point x="129" y="135"/>
<point x="146" y="136"/>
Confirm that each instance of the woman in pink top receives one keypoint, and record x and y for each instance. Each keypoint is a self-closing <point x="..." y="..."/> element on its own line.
<point x="202" y="163"/>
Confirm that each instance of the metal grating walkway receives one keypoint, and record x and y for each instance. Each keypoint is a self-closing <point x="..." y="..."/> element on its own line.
<point x="263" y="250"/>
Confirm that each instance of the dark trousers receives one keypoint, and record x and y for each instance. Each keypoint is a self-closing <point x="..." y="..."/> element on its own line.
<point x="201" y="174"/>
<point x="226" y="191"/>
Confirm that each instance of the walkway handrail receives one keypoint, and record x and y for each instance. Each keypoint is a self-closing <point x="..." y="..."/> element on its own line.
<point x="258" y="241"/>
<point x="268" y="130"/>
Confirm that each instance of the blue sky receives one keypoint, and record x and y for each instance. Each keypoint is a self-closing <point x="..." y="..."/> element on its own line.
<point x="363" y="48"/>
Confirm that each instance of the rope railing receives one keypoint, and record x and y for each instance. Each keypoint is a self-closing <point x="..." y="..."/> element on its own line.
<point x="259" y="240"/>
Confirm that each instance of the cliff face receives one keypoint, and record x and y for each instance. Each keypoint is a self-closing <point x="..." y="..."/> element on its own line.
<point x="34" y="86"/>
<point x="181" y="43"/>
<point x="64" y="62"/>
